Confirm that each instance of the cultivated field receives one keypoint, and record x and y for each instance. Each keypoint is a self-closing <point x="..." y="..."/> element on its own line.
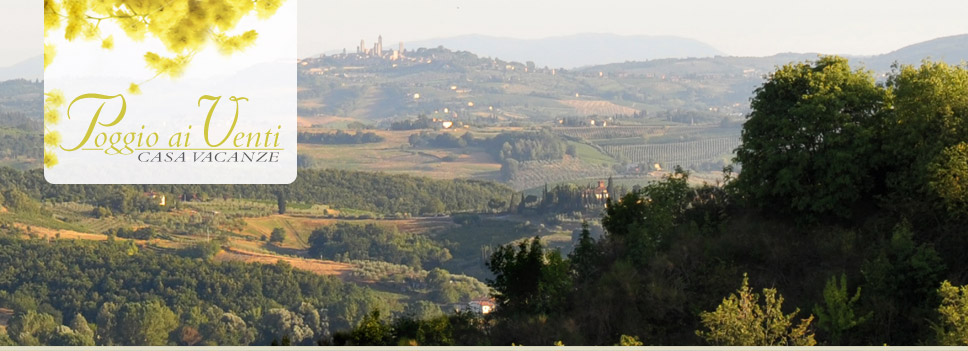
<point x="610" y="132"/>
<point x="298" y="229"/>
<point x="671" y="154"/>
<point x="321" y="267"/>
<point x="536" y="173"/>
<point x="394" y="155"/>
<point x="598" y="107"/>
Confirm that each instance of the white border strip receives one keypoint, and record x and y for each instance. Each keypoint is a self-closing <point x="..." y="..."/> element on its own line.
<point x="482" y="348"/>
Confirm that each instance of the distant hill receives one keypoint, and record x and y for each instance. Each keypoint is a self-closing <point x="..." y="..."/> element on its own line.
<point x="441" y="83"/>
<point x="575" y="50"/>
<point x="719" y="65"/>
<point x="953" y="50"/>
<point x="483" y="87"/>
<point x="32" y="68"/>
<point x="685" y="54"/>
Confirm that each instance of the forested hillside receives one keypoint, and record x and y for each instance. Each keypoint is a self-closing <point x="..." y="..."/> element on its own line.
<point x="113" y="293"/>
<point x="846" y="227"/>
<point x="21" y="123"/>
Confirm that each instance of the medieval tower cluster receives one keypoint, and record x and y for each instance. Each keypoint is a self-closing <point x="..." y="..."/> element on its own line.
<point x="377" y="50"/>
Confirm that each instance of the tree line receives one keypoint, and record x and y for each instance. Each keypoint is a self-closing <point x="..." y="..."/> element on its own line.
<point x="421" y="122"/>
<point x="520" y="146"/>
<point x="346" y="241"/>
<point x="376" y="192"/>
<point x="507" y="148"/>
<point x="339" y="137"/>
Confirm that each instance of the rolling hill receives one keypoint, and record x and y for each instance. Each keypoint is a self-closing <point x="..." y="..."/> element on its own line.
<point x="952" y="49"/>
<point x="32" y="68"/>
<point x="576" y="50"/>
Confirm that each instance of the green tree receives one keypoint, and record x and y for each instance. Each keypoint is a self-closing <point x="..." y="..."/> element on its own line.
<point x="435" y="331"/>
<point x="82" y="330"/>
<point x="375" y="242"/>
<point x="433" y="207"/>
<point x="640" y="223"/>
<point x="510" y="168"/>
<point x="527" y="279"/>
<point x="32" y="328"/>
<point x="929" y="122"/>
<point x="810" y="142"/>
<point x="901" y="275"/>
<point x="952" y="327"/>
<point x="107" y="322"/>
<point x="372" y="331"/>
<point x="146" y="323"/>
<point x="229" y="329"/>
<point x="532" y="287"/>
<point x="18" y="201"/>
<point x="281" y="323"/>
<point x="205" y="250"/>
<point x="948" y="179"/>
<point x="5" y="339"/>
<point x="423" y="310"/>
<point x="278" y="235"/>
<point x="101" y="212"/>
<point x="314" y="320"/>
<point x="628" y="340"/>
<point x="740" y="320"/>
<point x="65" y="336"/>
<point x="837" y="316"/>
<point x="281" y="198"/>
<point x="584" y="258"/>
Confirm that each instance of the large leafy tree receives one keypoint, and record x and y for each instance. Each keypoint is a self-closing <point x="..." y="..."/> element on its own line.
<point x="810" y="140"/>
<point x="528" y="279"/>
<point x="373" y="331"/>
<point x="281" y="323"/>
<point x="146" y="323"/>
<point x="628" y="281"/>
<point x="229" y="329"/>
<point x="926" y="137"/>
<point x="640" y="223"/>
<point x="531" y="286"/>
<point x="32" y="328"/>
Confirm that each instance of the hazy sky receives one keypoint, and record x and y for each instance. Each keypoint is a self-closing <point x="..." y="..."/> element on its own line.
<point x="21" y="30"/>
<point x="744" y="27"/>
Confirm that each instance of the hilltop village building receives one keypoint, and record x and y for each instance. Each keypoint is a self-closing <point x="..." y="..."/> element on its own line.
<point x="377" y="50"/>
